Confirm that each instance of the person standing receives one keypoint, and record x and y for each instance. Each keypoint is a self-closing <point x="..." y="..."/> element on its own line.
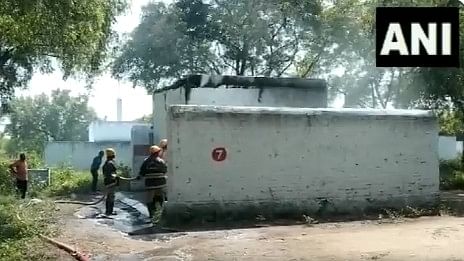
<point x="19" y="169"/>
<point x="154" y="170"/>
<point x="96" y="163"/>
<point x="110" y="180"/>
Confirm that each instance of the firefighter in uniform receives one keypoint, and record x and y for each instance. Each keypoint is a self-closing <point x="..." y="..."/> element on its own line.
<point x="110" y="180"/>
<point x="154" y="170"/>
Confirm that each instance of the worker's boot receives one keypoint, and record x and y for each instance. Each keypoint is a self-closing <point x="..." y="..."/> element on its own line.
<point x="153" y="208"/>
<point x="160" y="200"/>
<point x="109" y="208"/>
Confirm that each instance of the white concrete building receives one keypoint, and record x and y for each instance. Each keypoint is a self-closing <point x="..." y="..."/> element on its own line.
<point x="299" y="160"/>
<point x="103" y="131"/>
<point x="102" y="134"/>
<point x="237" y="91"/>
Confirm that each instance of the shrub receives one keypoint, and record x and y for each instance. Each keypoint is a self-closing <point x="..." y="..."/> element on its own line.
<point x="124" y="170"/>
<point x="65" y="181"/>
<point x="451" y="174"/>
<point x="20" y="224"/>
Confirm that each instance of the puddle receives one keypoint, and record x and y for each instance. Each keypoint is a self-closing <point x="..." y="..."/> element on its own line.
<point x="128" y="219"/>
<point x="124" y="257"/>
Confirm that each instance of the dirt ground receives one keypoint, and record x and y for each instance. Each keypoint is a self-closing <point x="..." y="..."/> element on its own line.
<point x="426" y="238"/>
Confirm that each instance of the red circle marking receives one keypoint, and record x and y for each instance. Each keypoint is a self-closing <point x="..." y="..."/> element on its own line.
<point x="219" y="154"/>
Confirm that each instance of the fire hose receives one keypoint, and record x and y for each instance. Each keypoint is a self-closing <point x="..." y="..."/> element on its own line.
<point x="77" y="255"/>
<point x="100" y="199"/>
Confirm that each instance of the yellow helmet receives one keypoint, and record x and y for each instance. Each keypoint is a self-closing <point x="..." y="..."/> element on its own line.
<point x="163" y="143"/>
<point x="154" y="149"/>
<point x="110" y="152"/>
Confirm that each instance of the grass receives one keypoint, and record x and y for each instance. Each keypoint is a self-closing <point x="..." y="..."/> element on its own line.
<point x="66" y="181"/>
<point x="20" y="225"/>
<point x="21" y="221"/>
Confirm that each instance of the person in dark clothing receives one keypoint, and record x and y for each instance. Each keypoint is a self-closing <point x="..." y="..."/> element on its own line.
<point x="154" y="170"/>
<point x="20" y="170"/>
<point x="110" y="180"/>
<point x="96" y="163"/>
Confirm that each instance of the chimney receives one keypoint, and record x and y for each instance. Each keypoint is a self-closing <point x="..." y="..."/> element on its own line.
<point x="119" y="109"/>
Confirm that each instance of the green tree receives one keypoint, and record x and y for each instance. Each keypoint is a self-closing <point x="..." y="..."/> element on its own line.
<point x="362" y="83"/>
<point x="223" y="37"/>
<point x="36" y="34"/>
<point x="38" y="119"/>
<point x="451" y="122"/>
<point x="160" y="49"/>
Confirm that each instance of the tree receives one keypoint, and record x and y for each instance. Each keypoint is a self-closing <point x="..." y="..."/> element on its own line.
<point x="36" y="34"/>
<point x="222" y="37"/>
<point x="160" y="49"/>
<point x="38" y="119"/>
<point x="349" y="30"/>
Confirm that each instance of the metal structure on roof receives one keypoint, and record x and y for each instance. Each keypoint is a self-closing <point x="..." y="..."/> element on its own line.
<point x="215" y="81"/>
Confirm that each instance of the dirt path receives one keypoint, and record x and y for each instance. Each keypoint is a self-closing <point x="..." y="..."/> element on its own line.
<point x="427" y="238"/>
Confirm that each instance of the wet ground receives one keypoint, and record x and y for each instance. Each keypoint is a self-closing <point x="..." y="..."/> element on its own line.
<point x="426" y="238"/>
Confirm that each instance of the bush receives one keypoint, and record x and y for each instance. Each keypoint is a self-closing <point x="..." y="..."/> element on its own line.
<point x="451" y="174"/>
<point x="123" y="170"/>
<point x="66" y="181"/>
<point x="20" y="224"/>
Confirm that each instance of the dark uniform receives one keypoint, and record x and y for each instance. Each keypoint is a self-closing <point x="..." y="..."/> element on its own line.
<point x="154" y="170"/>
<point x="108" y="169"/>
<point x="94" y="171"/>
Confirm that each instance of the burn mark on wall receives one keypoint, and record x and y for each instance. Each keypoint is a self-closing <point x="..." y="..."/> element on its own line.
<point x="165" y="101"/>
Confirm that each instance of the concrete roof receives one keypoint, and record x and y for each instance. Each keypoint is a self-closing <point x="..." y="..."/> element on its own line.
<point x="215" y="81"/>
<point x="179" y="109"/>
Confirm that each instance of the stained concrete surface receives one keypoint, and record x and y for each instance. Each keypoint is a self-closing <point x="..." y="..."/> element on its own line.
<point x="131" y="216"/>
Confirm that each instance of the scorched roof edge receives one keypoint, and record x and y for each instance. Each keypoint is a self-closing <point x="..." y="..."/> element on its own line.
<point x="179" y="109"/>
<point x="214" y="81"/>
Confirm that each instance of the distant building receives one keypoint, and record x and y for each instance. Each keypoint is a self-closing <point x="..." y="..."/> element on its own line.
<point x="103" y="131"/>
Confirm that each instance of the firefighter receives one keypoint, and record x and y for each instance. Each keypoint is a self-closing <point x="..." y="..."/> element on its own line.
<point x="154" y="170"/>
<point x="110" y="180"/>
<point x="96" y="163"/>
<point x="164" y="147"/>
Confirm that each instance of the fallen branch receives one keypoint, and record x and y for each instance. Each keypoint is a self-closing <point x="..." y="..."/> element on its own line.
<point x="68" y="249"/>
<point x="78" y="256"/>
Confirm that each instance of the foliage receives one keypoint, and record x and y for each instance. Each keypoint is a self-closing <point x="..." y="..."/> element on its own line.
<point x="21" y="221"/>
<point x="6" y="180"/>
<point x="123" y="170"/>
<point x="451" y="123"/>
<point x="36" y="120"/>
<point x="66" y="181"/>
<point x="158" y="50"/>
<point x="451" y="174"/>
<point x="36" y="34"/>
<point x="20" y="224"/>
<point x="240" y="37"/>
<point x="333" y="39"/>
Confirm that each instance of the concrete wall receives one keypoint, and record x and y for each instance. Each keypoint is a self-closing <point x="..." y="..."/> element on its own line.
<point x="80" y="154"/>
<point x="278" y="97"/>
<point x="102" y="131"/>
<point x="447" y="147"/>
<point x="310" y="160"/>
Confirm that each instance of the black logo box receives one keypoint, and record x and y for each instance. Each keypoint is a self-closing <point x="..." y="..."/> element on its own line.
<point x="423" y="15"/>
